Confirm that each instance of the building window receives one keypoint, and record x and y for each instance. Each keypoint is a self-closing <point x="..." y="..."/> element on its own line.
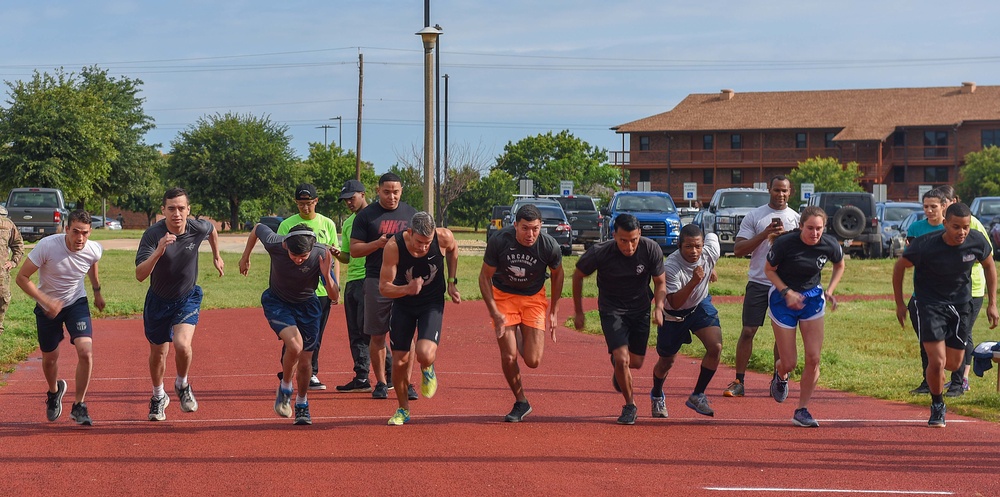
<point x="736" y="142"/>
<point x="737" y="177"/>
<point x="709" y="177"/>
<point x="899" y="139"/>
<point x="936" y="144"/>
<point x="898" y="174"/>
<point x="708" y="142"/>
<point x="991" y="138"/>
<point x="644" y="175"/>
<point x="800" y="140"/>
<point x="936" y="174"/>
<point x="828" y="139"/>
<point x="643" y="143"/>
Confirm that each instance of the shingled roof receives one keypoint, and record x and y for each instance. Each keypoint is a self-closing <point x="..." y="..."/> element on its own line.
<point x="859" y="114"/>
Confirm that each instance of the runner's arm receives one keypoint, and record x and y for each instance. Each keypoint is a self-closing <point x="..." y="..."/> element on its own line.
<point x="659" y="295"/>
<point x="388" y="289"/>
<point x="898" y="273"/>
<point x="558" y="277"/>
<point x="578" y="317"/>
<point x="245" y="259"/>
<point x="213" y="241"/>
<point x="990" y="271"/>
<point x="486" y="290"/>
<point x="50" y="305"/>
<point x="362" y="249"/>
<point x="95" y="283"/>
<point x="447" y="243"/>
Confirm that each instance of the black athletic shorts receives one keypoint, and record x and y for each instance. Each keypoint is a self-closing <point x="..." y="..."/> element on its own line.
<point x="404" y="320"/>
<point x="941" y="322"/>
<point x="630" y="329"/>
<point x="755" y="304"/>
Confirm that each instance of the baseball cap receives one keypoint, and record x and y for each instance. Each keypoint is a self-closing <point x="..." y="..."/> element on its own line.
<point x="351" y="187"/>
<point x="305" y="191"/>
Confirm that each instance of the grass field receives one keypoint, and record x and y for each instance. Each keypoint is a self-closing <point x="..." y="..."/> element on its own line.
<point x="865" y="350"/>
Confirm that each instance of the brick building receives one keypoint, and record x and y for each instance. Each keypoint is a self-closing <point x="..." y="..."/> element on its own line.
<point x="900" y="137"/>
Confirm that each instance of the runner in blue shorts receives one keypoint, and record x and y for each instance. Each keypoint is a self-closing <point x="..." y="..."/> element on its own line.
<point x="689" y="310"/>
<point x="291" y="307"/>
<point x="794" y="266"/>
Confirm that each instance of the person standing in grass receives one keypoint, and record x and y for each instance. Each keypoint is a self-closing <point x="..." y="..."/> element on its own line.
<point x="413" y="275"/>
<point x="794" y="266"/>
<point x="291" y="306"/>
<point x="942" y="295"/>
<point x="61" y="262"/>
<point x="625" y="266"/>
<point x="11" y="252"/>
<point x="168" y="256"/>
<point x="353" y="195"/>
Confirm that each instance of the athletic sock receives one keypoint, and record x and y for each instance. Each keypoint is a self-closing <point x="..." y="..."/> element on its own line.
<point x="704" y="377"/>
<point x="181" y="382"/>
<point x="657" y="390"/>
<point x="158" y="391"/>
<point x="741" y="376"/>
<point x="937" y="399"/>
<point x="300" y="399"/>
<point x="287" y="386"/>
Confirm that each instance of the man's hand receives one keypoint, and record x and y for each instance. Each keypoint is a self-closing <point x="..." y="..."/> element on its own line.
<point x="579" y="320"/>
<point x="453" y="293"/>
<point x="219" y="265"/>
<point x="658" y="314"/>
<point x="901" y="315"/>
<point x="553" y="319"/>
<point x="244" y="265"/>
<point x="415" y="285"/>
<point x="993" y="315"/>
<point x="99" y="301"/>
<point x="698" y="274"/>
<point x="52" y="307"/>
<point x="7" y="266"/>
<point x="498" y="323"/>
<point x="167" y="239"/>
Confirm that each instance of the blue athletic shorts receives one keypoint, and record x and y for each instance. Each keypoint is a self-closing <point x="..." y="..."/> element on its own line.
<point x="303" y="315"/>
<point x="75" y="317"/>
<point x="787" y="318"/>
<point x="159" y="316"/>
<point x="677" y="331"/>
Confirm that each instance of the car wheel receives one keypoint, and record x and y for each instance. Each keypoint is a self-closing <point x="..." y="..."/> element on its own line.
<point x="567" y="250"/>
<point x="875" y="250"/>
<point x="848" y="222"/>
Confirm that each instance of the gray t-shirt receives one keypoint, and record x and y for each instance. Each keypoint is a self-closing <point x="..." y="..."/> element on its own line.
<point x="176" y="272"/>
<point x="288" y="281"/>
<point x="680" y="271"/>
<point x="521" y="270"/>
<point x="756" y="221"/>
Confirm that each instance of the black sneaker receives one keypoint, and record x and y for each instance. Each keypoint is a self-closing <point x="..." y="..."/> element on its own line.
<point x="315" y="384"/>
<point x="520" y="410"/>
<point x="302" y="414"/>
<point x="937" y="415"/>
<point x="411" y="393"/>
<point x="380" y="391"/>
<point x="923" y="389"/>
<point x="779" y="388"/>
<point x="355" y="385"/>
<point x="954" y="389"/>
<point x="628" y="415"/>
<point x="79" y="414"/>
<point x="53" y="401"/>
<point x="804" y="419"/>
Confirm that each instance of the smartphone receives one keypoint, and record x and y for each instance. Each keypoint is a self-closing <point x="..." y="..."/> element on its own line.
<point x="776" y="221"/>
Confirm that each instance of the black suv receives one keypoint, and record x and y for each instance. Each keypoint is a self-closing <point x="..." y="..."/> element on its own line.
<point x="851" y="218"/>
<point x="583" y="218"/>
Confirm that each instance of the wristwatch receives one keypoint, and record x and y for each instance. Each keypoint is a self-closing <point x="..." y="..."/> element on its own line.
<point x="784" y="291"/>
<point x="453" y="280"/>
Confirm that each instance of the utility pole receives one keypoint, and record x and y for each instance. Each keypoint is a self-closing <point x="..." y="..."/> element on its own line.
<point x="361" y="86"/>
<point x="437" y="128"/>
<point x="324" y="127"/>
<point x="445" y="151"/>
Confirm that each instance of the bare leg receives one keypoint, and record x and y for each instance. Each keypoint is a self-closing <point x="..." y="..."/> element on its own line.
<point x="812" y="343"/>
<point x="158" y="362"/>
<point x="376" y="349"/>
<point x="293" y="348"/>
<point x="508" y="362"/>
<point x="183" y="352"/>
<point x="84" y="366"/>
<point x="50" y="367"/>
<point x="401" y="361"/>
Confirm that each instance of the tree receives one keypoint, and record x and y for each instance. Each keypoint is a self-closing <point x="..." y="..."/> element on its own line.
<point x="474" y="208"/>
<point x="146" y="196"/>
<point x="327" y="168"/>
<point x="223" y="160"/>
<point x="980" y="177"/>
<point x="548" y="159"/>
<point x="412" y="179"/>
<point x="827" y="175"/>
<point x="465" y="165"/>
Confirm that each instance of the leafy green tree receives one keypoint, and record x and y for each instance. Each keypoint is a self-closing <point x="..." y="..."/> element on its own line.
<point x="827" y="175"/>
<point x="413" y="184"/>
<point x="223" y="160"/>
<point x="980" y="176"/>
<point x="146" y="195"/>
<point x="550" y="158"/>
<point x="475" y="206"/>
<point x="327" y="168"/>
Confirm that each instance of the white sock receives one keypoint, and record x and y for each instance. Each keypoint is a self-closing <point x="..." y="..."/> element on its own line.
<point x="286" y="385"/>
<point x="158" y="391"/>
<point x="181" y="382"/>
<point x="300" y="399"/>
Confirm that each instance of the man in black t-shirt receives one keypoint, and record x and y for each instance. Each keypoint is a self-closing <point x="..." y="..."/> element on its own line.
<point x="942" y="293"/>
<point x="625" y="266"/>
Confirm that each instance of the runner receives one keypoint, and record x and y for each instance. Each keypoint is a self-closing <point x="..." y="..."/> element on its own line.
<point x="942" y="294"/>
<point x="512" y="283"/>
<point x="413" y="274"/>
<point x="794" y="266"/>
<point x="11" y="252"/>
<point x="291" y="307"/>
<point x="168" y="256"/>
<point x="625" y="266"/>
<point x="689" y="310"/>
<point x="754" y="239"/>
<point x="61" y="261"/>
<point x="353" y="195"/>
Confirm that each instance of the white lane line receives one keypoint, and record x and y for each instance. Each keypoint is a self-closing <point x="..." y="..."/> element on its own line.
<point x="828" y="490"/>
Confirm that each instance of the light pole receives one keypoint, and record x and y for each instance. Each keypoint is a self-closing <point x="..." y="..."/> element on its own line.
<point x="340" y="127"/>
<point x="429" y="37"/>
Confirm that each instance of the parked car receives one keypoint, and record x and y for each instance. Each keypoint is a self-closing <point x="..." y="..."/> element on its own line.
<point x="655" y="211"/>
<point x="271" y="222"/>
<point x="37" y="212"/>
<point x="101" y="222"/>
<point x="496" y="219"/>
<point x="554" y="220"/>
<point x="890" y="215"/>
<point x="985" y="208"/>
<point x="851" y="219"/>
<point x="726" y="211"/>
<point x="583" y="218"/>
<point x="898" y="243"/>
<point x="687" y="214"/>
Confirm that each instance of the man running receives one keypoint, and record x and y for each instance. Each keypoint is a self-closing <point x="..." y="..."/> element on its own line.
<point x="512" y="283"/>
<point x="353" y="195"/>
<point x="413" y="273"/>
<point x="61" y="261"/>
<point x="625" y="266"/>
<point x="168" y="256"/>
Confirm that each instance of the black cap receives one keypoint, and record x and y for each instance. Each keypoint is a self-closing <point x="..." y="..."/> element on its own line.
<point x="351" y="187"/>
<point x="305" y="191"/>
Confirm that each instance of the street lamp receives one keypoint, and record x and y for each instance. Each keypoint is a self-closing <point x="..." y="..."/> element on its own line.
<point x="429" y="37"/>
<point x="340" y="127"/>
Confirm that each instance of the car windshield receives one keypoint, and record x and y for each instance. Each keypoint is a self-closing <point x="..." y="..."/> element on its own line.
<point x="577" y="204"/>
<point x="551" y="213"/>
<point x="645" y="203"/>
<point x="896" y="214"/>
<point x="989" y="208"/>
<point x="744" y="199"/>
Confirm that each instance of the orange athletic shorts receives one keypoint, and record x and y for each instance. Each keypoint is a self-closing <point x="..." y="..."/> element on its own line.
<point x="527" y="310"/>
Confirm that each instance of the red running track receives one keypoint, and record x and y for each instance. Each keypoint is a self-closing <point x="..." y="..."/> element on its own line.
<point x="456" y="443"/>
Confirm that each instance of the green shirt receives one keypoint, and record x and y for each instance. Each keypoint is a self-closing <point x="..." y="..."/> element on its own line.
<point x="355" y="268"/>
<point x="326" y="233"/>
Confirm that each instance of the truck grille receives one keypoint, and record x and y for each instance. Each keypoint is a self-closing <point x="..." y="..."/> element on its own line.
<point x="653" y="228"/>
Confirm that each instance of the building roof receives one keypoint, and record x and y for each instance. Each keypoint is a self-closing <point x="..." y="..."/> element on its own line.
<point x="858" y="114"/>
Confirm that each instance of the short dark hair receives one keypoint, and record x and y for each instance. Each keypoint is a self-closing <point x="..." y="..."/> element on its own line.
<point x="689" y="231"/>
<point x="778" y="177"/>
<point x="389" y="178"/>
<point x="527" y="212"/>
<point x="174" y="193"/>
<point x="948" y="191"/>
<point x="958" y="209"/>
<point x="935" y="193"/>
<point x="626" y="222"/>
<point x="300" y="244"/>
<point x="78" y="216"/>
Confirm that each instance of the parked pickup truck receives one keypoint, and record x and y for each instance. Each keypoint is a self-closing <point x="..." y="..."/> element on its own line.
<point x="655" y="211"/>
<point x="37" y="212"/>
<point x="726" y="211"/>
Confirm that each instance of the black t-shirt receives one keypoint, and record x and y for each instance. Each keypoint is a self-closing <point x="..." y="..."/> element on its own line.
<point x="176" y="271"/>
<point x="520" y="270"/>
<point x="429" y="267"/>
<point x="288" y="281"/>
<point x="799" y="265"/>
<point x="374" y="221"/>
<point x="941" y="272"/>
<point x="623" y="282"/>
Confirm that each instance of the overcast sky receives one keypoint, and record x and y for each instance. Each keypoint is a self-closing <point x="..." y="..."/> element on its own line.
<point x="516" y="68"/>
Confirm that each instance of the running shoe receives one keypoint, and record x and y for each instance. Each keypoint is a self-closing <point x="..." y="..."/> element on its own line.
<point x="923" y="389"/>
<point x="628" y="415"/>
<point x="937" y="415"/>
<point x="517" y="414"/>
<point x="429" y="383"/>
<point x="779" y="388"/>
<point x="380" y="391"/>
<point x="411" y="392"/>
<point x="53" y="401"/>
<point x="659" y="406"/>
<point x="954" y="389"/>
<point x="804" y="419"/>
<point x="355" y="385"/>
<point x="965" y="384"/>
<point x="302" y="414"/>
<point x="79" y="414"/>
<point x="188" y="402"/>
<point x="315" y="384"/>
<point x="158" y="407"/>
<point x="735" y="389"/>
<point x="401" y="416"/>
<point x="283" y="403"/>
<point x="699" y="402"/>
